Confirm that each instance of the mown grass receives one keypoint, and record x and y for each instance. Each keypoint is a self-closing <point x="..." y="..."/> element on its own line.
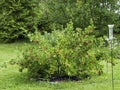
<point x="12" y="79"/>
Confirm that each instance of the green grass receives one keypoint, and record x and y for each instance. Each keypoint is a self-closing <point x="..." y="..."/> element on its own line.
<point x="12" y="79"/>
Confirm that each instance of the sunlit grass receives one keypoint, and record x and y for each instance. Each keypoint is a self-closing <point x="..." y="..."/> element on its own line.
<point x="12" y="79"/>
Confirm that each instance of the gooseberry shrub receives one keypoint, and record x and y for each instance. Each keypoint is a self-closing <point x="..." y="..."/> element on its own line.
<point x="66" y="53"/>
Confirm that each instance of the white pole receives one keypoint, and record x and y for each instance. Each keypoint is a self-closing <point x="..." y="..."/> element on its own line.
<point x="111" y="42"/>
<point x="110" y="32"/>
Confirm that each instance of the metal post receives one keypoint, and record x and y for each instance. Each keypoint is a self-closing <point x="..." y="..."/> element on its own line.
<point x="111" y="49"/>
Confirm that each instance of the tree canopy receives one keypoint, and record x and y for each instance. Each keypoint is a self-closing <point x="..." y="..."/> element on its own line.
<point x="19" y="17"/>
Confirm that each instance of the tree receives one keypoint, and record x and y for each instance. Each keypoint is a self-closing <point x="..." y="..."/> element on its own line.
<point x="17" y="18"/>
<point x="61" y="12"/>
<point x="103" y="13"/>
<point x="81" y="12"/>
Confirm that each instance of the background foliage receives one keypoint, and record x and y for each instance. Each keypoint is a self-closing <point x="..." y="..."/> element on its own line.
<point x="17" y="18"/>
<point x="83" y="13"/>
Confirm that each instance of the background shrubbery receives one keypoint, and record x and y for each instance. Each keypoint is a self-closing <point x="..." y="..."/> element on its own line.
<point x="82" y="13"/>
<point x="59" y="54"/>
<point x="17" y="18"/>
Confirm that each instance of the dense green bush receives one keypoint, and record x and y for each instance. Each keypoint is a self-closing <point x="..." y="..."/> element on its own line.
<point x="65" y="53"/>
<point x="17" y="18"/>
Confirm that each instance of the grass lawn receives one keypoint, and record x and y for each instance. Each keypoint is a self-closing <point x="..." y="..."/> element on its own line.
<point x="12" y="79"/>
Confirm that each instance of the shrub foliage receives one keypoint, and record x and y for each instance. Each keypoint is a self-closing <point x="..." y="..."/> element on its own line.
<point x="67" y="53"/>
